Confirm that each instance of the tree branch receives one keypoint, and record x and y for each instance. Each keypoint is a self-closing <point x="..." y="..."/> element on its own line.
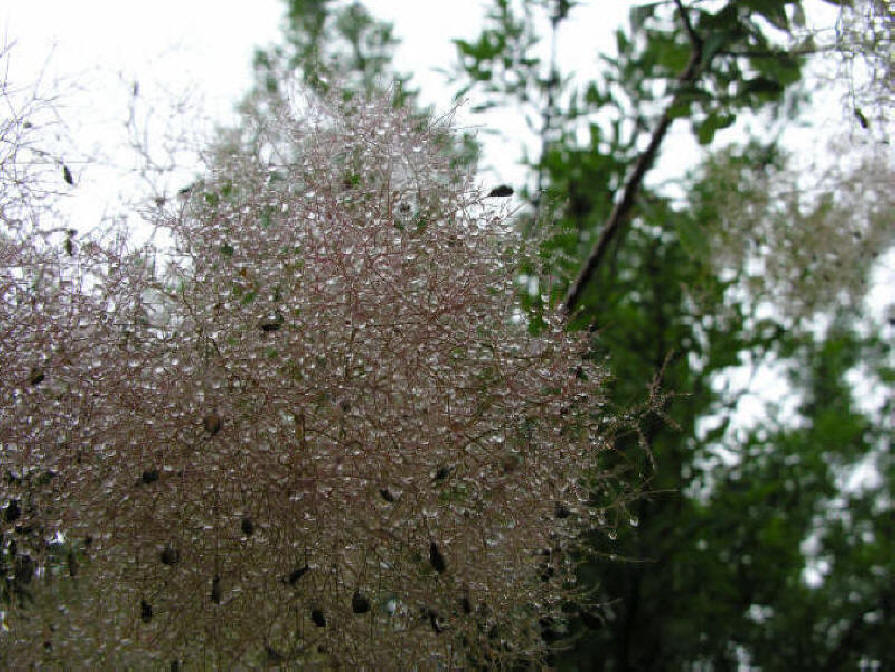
<point x="622" y="208"/>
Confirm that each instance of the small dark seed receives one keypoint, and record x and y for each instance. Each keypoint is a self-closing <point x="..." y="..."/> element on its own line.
<point x="13" y="511"/>
<point x="503" y="191"/>
<point x="170" y="556"/>
<point x="387" y="495"/>
<point x="561" y="510"/>
<point x="443" y="473"/>
<point x="296" y="574"/>
<point x="150" y="476"/>
<point x="433" y="621"/>
<point x="247" y="526"/>
<point x="271" y="323"/>
<point x="216" y="590"/>
<point x="436" y="558"/>
<point x="37" y="377"/>
<point x="318" y="618"/>
<point x="145" y="611"/>
<point x="212" y="423"/>
<point x="359" y="603"/>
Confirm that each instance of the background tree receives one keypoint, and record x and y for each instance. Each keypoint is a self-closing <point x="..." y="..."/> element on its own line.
<point x="327" y="42"/>
<point x="718" y="565"/>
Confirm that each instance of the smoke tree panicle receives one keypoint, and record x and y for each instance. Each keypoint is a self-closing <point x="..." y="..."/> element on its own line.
<point x="316" y="430"/>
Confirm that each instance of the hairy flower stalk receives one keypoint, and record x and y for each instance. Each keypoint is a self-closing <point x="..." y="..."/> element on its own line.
<point x="322" y="435"/>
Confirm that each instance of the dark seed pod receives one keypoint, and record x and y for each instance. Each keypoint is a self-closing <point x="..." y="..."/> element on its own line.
<point x="13" y="511"/>
<point x="359" y="603"/>
<point x="296" y="574"/>
<point x="212" y="423"/>
<point x="436" y="558"/>
<point x="561" y="510"/>
<point x="72" y="564"/>
<point x="442" y="473"/>
<point x="37" y="377"/>
<point x="145" y="611"/>
<point x="466" y="604"/>
<point x="511" y="463"/>
<point x="434" y="621"/>
<point x="66" y="175"/>
<point x="170" y="556"/>
<point x="247" y="526"/>
<point x="387" y="495"/>
<point x="502" y="191"/>
<point x="150" y="476"/>
<point x="216" y="589"/>
<point x="69" y="247"/>
<point x="318" y="618"/>
<point x="272" y="322"/>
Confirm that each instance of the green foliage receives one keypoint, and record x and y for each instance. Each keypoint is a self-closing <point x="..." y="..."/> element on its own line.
<point x="332" y="42"/>
<point x="718" y="562"/>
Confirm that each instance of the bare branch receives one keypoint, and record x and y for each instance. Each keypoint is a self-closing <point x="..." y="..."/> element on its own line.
<point x="623" y="207"/>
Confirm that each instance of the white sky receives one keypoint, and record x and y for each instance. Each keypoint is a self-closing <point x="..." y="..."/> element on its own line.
<point x="199" y="53"/>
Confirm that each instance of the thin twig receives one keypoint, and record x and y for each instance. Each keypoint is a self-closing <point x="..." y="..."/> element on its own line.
<point x="623" y="207"/>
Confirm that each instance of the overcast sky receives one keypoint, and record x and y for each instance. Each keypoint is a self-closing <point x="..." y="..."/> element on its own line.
<point x="197" y="54"/>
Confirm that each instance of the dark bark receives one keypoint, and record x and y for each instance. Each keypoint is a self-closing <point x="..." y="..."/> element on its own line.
<point x="623" y="207"/>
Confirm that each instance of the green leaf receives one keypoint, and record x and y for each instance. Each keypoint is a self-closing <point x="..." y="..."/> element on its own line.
<point x="716" y="121"/>
<point x="713" y="44"/>
<point x="640" y="13"/>
<point x="763" y="85"/>
<point x="680" y="110"/>
<point x="693" y="238"/>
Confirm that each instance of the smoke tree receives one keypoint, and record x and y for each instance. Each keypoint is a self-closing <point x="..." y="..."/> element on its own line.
<point x="316" y="429"/>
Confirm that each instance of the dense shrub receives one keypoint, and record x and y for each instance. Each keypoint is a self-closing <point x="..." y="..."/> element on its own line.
<point x="315" y="428"/>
